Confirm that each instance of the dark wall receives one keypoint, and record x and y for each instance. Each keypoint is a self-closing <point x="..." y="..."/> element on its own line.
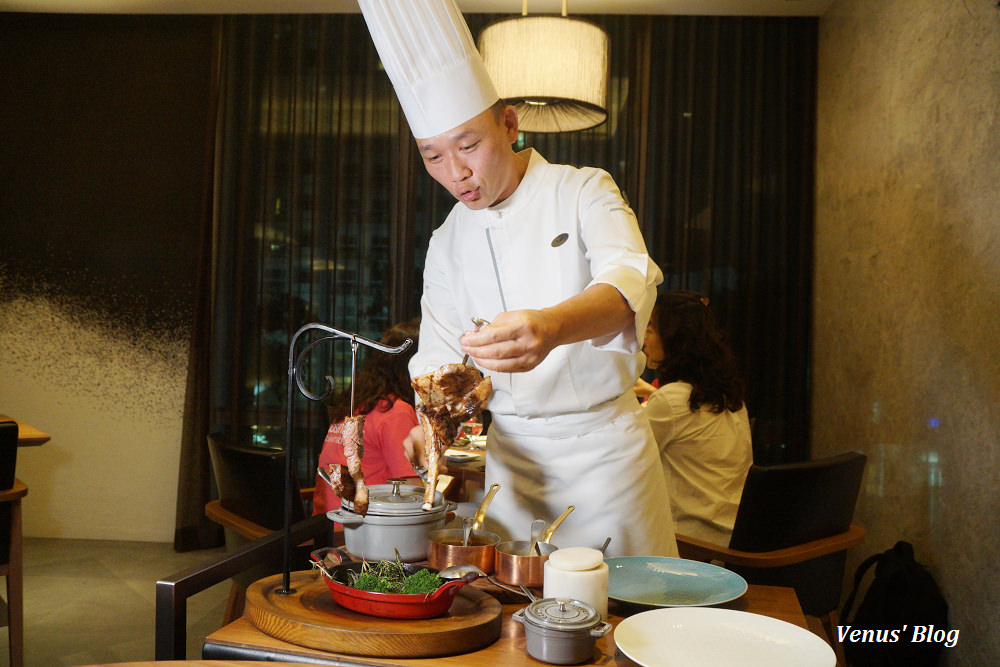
<point x="103" y="148"/>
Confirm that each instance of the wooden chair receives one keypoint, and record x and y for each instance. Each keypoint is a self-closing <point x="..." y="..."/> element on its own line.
<point x="793" y="528"/>
<point x="11" y="550"/>
<point x="251" y="506"/>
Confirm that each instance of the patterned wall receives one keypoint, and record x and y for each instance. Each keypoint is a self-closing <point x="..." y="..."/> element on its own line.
<point x="907" y="287"/>
<point x="103" y="122"/>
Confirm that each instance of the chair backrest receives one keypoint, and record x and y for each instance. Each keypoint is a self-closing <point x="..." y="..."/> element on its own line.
<point x="8" y="464"/>
<point x="791" y="504"/>
<point x="8" y="453"/>
<point x="788" y="504"/>
<point x="251" y="482"/>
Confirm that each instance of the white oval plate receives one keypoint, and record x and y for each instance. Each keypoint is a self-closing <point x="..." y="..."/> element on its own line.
<point x="458" y="456"/>
<point x="707" y="637"/>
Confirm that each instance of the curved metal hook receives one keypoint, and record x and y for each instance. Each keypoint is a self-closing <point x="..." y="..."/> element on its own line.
<point x="336" y="334"/>
<point x="294" y="372"/>
<point x="330" y="383"/>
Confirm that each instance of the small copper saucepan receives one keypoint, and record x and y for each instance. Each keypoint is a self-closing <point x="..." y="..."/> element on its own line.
<point x="445" y="548"/>
<point x="512" y="566"/>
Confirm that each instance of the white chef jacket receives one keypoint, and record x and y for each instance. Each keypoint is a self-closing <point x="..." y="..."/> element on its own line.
<point x="561" y="230"/>
<point x="708" y="455"/>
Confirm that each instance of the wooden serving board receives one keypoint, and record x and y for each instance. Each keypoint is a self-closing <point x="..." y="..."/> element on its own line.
<point x="309" y="617"/>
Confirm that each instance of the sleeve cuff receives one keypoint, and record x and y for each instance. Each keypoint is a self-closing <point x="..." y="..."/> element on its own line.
<point x="638" y="286"/>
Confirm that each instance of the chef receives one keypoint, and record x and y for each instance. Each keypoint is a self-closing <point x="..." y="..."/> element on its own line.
<point x="552" y="256"/>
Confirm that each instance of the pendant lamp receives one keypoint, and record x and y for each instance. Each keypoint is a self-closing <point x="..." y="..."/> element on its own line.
<point x="552" y="69"/>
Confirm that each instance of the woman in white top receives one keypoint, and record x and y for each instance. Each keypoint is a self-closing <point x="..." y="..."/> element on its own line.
<point x="698" y="415"/>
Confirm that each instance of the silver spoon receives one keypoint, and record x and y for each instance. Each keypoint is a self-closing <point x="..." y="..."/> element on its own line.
<point x="466" y="529"/>
<point x="461" y="571"/>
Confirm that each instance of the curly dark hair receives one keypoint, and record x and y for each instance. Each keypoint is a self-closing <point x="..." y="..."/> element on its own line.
<point x="384" y="377"/>
<point x="696" y="352"/>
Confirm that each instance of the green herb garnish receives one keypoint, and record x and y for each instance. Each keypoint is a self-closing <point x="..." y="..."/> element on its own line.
<point x="388" y="576"/>
<point x="423" y="581"/>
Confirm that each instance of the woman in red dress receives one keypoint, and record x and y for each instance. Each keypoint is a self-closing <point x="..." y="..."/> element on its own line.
<point x="383" y="394"/>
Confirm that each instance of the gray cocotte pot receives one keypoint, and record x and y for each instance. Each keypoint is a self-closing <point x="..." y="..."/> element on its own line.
<point x="395" y="521"/>
<point x="561" y="631"/>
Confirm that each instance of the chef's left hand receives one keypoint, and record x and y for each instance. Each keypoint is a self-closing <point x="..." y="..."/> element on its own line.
<point x="515" y="341"/>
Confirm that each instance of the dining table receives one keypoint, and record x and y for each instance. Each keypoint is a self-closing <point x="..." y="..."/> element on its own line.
<point x="242" y="640"/>
<point x="466" y="462"/>
<point x="27" y="435"/>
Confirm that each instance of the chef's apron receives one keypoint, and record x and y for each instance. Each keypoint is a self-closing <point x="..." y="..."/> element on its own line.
<point x="604" y="462"/>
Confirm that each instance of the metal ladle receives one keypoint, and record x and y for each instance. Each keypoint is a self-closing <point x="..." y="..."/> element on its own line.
<point x="460" y="571"/>
<point x="546" y="535"/>
<point x="471" y="572"/>
<point x="537" y="526"/>
<point x="466" y="529"/>
<point x="480" y="515"/>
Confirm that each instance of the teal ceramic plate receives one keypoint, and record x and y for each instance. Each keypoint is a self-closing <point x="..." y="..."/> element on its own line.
<point x="671" y="582"/>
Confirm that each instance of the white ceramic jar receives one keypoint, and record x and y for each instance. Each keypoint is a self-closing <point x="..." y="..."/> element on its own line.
<point x="578" y="573"/>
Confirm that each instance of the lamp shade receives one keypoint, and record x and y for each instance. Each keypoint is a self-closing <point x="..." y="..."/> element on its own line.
<point x="552" y="69"/>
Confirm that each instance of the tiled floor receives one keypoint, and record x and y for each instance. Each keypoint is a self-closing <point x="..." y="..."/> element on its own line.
<point x="92" y="601"/>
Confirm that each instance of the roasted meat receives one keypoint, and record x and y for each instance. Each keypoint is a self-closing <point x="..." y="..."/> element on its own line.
<point x="446" y="398"/>
<point x="340" y="481"/>
<point x="354" y="449"/>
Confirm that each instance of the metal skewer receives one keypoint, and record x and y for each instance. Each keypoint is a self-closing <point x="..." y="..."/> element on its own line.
<point x="479" y="322"/>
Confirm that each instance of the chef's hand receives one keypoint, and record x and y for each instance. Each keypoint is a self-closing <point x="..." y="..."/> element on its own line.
<point x="515" y="341"/>
<point x="519" y="340"/>
<point x="413" y="447"/>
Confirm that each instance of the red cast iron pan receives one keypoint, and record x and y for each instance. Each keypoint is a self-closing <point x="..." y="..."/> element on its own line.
<point x="384" y="605"/>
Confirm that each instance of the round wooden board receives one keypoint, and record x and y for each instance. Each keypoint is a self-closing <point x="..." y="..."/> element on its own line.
<point x="309" y="617"/>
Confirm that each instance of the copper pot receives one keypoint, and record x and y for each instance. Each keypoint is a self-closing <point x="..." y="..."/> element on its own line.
<point x="444" y="548"/>
<point x="512" y="566"/>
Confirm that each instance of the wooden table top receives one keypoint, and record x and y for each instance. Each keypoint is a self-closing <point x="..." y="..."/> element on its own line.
<point x="776" y="602"/>
<point x="201" y="663"/>
<point x="27" y="435"/>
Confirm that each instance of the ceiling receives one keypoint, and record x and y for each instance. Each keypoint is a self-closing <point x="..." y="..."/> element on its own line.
<point x="698" y="7"/>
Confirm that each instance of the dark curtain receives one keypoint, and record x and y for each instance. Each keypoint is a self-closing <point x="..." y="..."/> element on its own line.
<point x="320" y="217"/>
<point x="193" y="529"/>
<point x="323" y="209"/>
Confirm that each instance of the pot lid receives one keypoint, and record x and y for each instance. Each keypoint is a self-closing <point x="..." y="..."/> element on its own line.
<point x="397" y="498"/>
<point x="562" y="614"/>
<point x="576" y="558"/>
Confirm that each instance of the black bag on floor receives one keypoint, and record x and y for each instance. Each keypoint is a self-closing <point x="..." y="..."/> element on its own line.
<point x="902" y="620"/>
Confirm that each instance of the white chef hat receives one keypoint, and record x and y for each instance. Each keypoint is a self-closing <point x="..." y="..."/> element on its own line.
<point x="432" y="61"/>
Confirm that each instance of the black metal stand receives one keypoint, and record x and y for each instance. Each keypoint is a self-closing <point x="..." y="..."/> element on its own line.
<point x="294" y="379"/>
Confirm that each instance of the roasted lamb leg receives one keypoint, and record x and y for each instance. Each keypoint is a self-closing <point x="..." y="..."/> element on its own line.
<point x="445" y="398"/>
<point x="354" y="449"/>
